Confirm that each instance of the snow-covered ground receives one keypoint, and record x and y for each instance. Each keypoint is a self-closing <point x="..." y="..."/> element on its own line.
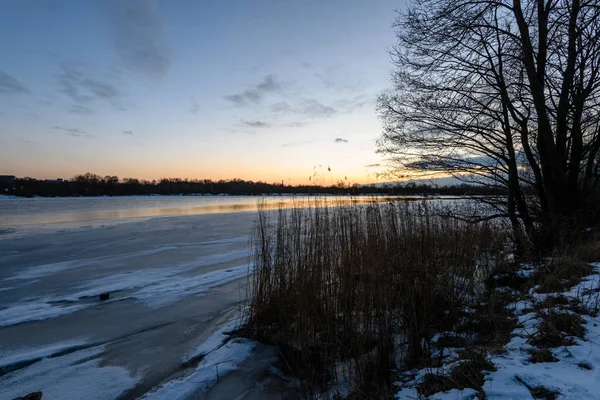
<point x="573" y="374"/>
<point x="173" y="281"/>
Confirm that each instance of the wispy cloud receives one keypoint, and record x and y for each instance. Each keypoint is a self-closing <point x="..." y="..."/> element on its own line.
<point x="139" y="37"/>
<point x="372" y="165"/>
<point x="83" y="90"/>
<point x="79" y="109"/>
<point x="256" y="124"/>
<point x="280" y="107"/>
<point x="314" y="109"/>
<point x="128" y="133"/>
<point x="100" y="89"/>
<point x="340" y="140"/>
<point x="350" y="104"/>
<point x="70" y="80"/>
<point x="257" y="93"/>
<point x="75" y="132"/>
<point x="194" y="108"/>
<point x="294" y="144"/>
<point x="11" y="85"/>
<point x="296" y="124"/>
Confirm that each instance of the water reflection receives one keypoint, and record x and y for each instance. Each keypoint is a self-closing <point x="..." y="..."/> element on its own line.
<point x="19" y="212"/>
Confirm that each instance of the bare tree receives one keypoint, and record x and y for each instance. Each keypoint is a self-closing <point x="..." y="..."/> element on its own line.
<point x="500" y="92"/>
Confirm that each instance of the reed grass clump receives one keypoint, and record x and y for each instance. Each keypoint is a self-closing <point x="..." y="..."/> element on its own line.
<point x="353" y="291"/>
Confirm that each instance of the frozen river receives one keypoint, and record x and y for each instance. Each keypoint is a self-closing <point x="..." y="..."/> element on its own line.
<point x="175" y="268"/>
<point x="172" y="279"/>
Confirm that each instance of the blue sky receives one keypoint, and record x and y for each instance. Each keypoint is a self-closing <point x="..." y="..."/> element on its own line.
<point x="263" y="90"/>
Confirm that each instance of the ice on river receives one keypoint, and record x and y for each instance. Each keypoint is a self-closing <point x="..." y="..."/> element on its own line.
<point x="173" y="280"/>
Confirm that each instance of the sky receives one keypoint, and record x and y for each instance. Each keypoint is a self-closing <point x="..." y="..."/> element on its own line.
<point x="271" y="90"/>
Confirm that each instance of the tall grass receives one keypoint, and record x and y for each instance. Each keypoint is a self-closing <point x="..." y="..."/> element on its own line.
<point x="352" y="291"/>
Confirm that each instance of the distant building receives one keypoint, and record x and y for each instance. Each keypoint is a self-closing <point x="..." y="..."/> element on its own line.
<point x="6" y="179"/>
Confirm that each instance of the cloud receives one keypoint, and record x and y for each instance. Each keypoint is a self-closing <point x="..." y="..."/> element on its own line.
<point x="281" y="106"/>
<point x="350" y="104"/>
<point x="11" y="85"/>
<point x="312" y="108"/>
<point x="79" y="109"/>
<point x="372" y="165"/>
<point x="100" y="89"/>
<point x="296" y="124"/>
<point x="139" y="37"/>
<point x="83" y="90"/>
<point x="70" y="81"/>
<point x="340" y="140"/>
<point x="332" y="82"/>
<point x="76" y="132"/>
<point x="129" y="133"/>
<point x="257" y="93"/>
<point x="307" y="65"/>
<point x="256" y="124"/>
<point x="294" y="144"/>
<point x="194" y="108"/>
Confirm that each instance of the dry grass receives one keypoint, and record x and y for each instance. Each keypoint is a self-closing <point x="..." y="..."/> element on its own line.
<point x="561" y="274"/>
<point x="558" y="329"/>
<point x="588" y="251"/>
<point x="368" y="285"/>
<point x="467" y="374"/>
<point x="541" y="356"/>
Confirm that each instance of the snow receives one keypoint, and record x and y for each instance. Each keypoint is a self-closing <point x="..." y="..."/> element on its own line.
<point x="566" y="376"/>
<point x="10" y="357"/>
<point x="208" y="372"/>
<point x="78" y="375"/>
<point x="213" y="342"/>
<point x="455" y="394"/>
<point x="40" y="271"/>
<point x="19" y="313"/>
<point x="156" y="287"/>
<point x="576" y="374"/>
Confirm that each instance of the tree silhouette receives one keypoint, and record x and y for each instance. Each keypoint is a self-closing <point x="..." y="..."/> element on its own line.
<point x="501" y="92"/>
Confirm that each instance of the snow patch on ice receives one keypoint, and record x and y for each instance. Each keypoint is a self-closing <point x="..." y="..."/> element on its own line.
<point x="79" y="375"/>
<point x="38" y="311"/>
<point x="216" y="339"/>
<point x="112" y="261"/>
<point x="156" y="287"/>
<point x="11" y="356"/>
<point x="215" y="365"/>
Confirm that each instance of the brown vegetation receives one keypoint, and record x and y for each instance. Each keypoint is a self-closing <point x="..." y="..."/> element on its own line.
<point x="358" y="290"/>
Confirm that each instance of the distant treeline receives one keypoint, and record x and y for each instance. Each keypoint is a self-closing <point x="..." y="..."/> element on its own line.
<point x="95" y="185"/>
